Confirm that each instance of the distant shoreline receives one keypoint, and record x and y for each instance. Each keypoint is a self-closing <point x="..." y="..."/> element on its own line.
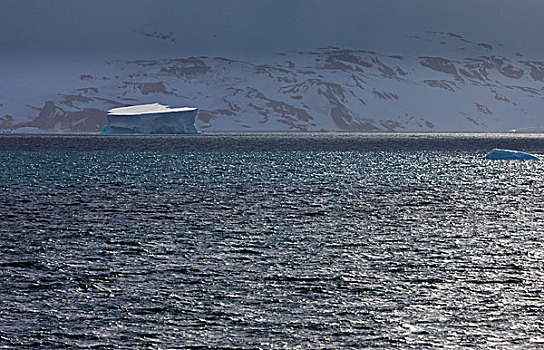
<point x="272" y="142"/>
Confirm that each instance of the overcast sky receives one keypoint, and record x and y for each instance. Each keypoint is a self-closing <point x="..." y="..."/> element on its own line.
<point x="257" y="27"/>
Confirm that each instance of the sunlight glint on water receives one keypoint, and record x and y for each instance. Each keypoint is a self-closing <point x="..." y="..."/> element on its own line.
<point x="270" y="250"/>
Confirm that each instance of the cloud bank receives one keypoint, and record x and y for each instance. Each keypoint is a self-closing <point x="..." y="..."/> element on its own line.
<point x="256" y="27"/>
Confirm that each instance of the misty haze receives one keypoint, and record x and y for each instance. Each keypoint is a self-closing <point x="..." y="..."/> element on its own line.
<point x="274" y="65"/>
<point x="271" y="174"/>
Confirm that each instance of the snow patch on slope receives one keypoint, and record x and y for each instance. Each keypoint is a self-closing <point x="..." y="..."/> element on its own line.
<point x="454" y="85"/>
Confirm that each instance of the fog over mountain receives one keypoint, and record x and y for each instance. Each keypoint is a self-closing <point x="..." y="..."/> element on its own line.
<point x="253" y="27"/>
<point x="48" y="45"/>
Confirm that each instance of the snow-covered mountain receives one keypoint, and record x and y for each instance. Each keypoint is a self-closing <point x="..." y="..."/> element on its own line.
<point x="453" y="85"/>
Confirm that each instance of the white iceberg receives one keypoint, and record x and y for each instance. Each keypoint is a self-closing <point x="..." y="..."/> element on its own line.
<point x="539" y="129"/>
<point x="505" y="154"/>
<point x="151" y="119"/>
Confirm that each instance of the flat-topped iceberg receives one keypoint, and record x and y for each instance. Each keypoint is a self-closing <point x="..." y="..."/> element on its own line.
<point x="151" y="119"/>
<point x="505" y="154"/>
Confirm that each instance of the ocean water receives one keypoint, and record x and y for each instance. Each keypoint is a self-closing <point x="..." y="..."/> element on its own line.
<point x="235" y="241"/>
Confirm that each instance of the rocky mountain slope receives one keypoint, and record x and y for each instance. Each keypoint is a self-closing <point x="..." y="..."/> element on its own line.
<point x="454" y="85"/>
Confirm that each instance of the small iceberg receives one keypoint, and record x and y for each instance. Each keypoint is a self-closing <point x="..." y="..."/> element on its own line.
<point x="506" y="154"/>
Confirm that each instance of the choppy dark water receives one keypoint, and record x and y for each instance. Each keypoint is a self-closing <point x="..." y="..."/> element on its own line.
<point x="395" y="248"/>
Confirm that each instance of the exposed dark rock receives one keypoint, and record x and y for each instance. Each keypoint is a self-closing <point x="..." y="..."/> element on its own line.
<point x="207" y="116"/>
<point x="6" y="122"/>
<point x="87" y="90"/>
<point x="186" y="67"/>
<point x="401" y="71"/>
<point x="385" y="95"/>
<point x="68" y="100"/>
<point x="510" y="71"/>
<point x="527" y="89"/>
<point x="348" y="57"/>
<point x="486" y="46"/>
<point x="429" y="124"/>
<point x="537" y="70"/>
<point x="344" y="120"/>
<point x="161" y="36"/>
<point x="466" y="74"/>
<point x="387" y="71"/>
<point x="151" y="88"/>
<point x="482" y="108"/>
<point x="442" y="84"/>
<point x="439" y="64"/>
<point x="392" y="125"/>
<point x="54" y="118"/>
<point x="500" y="97"/>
